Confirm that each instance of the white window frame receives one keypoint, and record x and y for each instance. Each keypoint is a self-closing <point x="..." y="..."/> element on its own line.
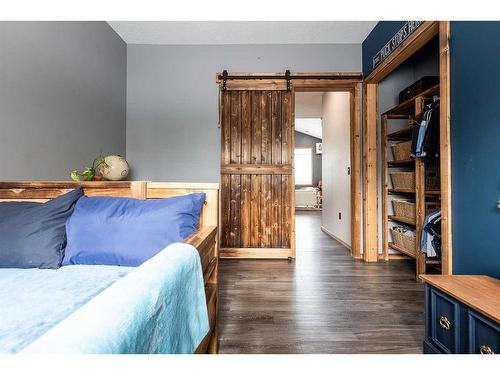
<point x="310" y="179"/>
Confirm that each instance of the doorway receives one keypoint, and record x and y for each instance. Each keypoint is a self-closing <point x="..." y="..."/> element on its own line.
<point x="322" y="164"/>
<point x="257" y="159"/>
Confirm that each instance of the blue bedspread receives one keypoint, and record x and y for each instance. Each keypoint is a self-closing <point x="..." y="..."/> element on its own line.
<point x="158" y="307"/>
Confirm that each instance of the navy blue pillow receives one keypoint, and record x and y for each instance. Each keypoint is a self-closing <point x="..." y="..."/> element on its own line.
<point x="33" y="235"/>
<point x="127" y="231"/>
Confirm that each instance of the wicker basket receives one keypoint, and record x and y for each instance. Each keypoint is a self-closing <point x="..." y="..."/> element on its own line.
<point x="403" y="180"/>
<point x="407" y="209"/>
<point x="404" y="209"/>
<point x="404" y="240"/>
<point x="401" y="151"/>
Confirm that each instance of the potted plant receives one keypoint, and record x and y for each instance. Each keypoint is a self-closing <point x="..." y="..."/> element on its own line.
<point x="89" y="173"/>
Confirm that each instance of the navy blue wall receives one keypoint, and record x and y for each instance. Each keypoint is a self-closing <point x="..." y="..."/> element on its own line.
<point x="379" y="36"/>
<point x="475" y="125"/>
<point x="475" y="138"/>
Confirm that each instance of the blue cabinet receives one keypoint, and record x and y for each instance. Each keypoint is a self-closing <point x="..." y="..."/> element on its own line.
<point x="484" y="335"/>
<point x="451" y="327"/>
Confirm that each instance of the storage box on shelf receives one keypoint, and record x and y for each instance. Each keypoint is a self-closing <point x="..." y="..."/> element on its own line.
<point x="401" y="151"/>
<point x="404" y="242"/>
<point x="403" y="180"/>
<point x="404" y="209"/>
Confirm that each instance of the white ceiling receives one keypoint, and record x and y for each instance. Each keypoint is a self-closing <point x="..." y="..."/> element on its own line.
<point x="242" y="32"/>
<point x="308" y="113"/>
<point x="309" y="126"/>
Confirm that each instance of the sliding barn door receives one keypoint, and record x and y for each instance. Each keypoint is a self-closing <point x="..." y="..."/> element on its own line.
<point x="257" y="184"/>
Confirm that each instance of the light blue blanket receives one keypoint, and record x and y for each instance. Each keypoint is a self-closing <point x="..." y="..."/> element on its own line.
<point x="158" y="307"/>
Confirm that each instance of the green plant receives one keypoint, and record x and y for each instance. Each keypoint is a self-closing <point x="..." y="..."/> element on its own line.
<point x="89" y="173"/>
<point x="98" y="162"/>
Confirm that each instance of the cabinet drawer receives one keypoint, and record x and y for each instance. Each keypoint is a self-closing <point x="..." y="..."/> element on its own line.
<point x="484" y="334"/>
<point x="444" y="322"/>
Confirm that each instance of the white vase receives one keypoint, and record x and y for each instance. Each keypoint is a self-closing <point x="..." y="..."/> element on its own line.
<point x="114" y="168"/>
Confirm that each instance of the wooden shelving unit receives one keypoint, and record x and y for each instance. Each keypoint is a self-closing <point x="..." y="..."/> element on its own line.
<point x="400" y="219"/>
<point x="406" y="110"/>
<point x="401" y="250"/>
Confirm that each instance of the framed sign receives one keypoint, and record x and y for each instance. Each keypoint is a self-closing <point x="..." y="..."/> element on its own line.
<point x="403" y="33"/>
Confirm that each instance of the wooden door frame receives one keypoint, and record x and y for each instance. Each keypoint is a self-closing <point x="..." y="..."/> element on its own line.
<point x="353" y="86"/>
<point x="316" y="82"/>
<point x="417" y="40"/>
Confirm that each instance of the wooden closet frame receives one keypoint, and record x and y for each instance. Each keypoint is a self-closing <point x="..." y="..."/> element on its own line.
<point x="417" y="40"/>
<point x="319" y="82"/>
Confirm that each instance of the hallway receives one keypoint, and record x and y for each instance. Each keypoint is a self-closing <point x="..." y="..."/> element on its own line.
<point x="324" y="302"/>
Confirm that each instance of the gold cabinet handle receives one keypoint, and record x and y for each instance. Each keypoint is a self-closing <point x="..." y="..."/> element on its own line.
<point x="485" y="349"/>
<point x="445" y="323"/>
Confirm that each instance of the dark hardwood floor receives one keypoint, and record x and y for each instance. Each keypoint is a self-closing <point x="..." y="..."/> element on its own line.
<point x="323" y="302"/>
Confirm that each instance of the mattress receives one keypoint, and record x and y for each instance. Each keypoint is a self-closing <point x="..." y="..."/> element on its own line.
<point x="158" y="307"/>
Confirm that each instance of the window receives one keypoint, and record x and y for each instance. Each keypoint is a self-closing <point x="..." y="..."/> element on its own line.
<point x="303" y="166"/>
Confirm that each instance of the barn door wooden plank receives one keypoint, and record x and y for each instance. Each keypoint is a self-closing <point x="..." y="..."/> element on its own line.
<point x="276" y="211"/>
<point x="286" y="194"/>
<point x="255" y="206"/>
<point x="266" y="210"/>
<point x="235" y="126"/>
<point x="246" y="203"/>
<point x="226" y="127"/>
<point x="246" y="127"/>
<point x="256" y="98"/>
<point x="286" y="121"/>
<point x="225" y="192"/>
<point x="276" y="127"/>
<point x="266" y="135"/>
<point x="235" y="218"/>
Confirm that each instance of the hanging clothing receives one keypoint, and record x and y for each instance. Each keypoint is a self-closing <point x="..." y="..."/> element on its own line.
<point x="425" y="136"/>
<point x="430" y="243"/>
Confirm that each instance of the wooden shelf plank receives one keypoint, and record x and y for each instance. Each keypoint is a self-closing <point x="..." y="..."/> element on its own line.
<point x="403" y="220"/>
<point x="411" y="254"/>
<point x="400" y="135"/>
<point x="432" y="261"/>
<point x="401" y="163"/>
<point x="401" y="191"/>
<point x="408" y="191"/>
<point x="408" y="106"/>
<point x="433" y="192"/>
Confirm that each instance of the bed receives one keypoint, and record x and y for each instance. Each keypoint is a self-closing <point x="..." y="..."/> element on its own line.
<point x="166" y="305"/>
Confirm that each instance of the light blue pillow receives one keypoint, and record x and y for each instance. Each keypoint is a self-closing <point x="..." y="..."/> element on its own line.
<point x="127" y="231"/>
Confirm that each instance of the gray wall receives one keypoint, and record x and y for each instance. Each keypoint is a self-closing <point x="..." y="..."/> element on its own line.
<point x="304" y="140"/>
<point x="172" y="131"/>
<point x="62" y="97"/>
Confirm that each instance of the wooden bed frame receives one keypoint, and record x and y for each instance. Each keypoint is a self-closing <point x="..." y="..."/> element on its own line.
<point x="204" y="239"/>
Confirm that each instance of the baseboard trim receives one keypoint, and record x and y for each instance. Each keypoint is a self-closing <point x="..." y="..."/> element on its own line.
<point x="326" y="231"/>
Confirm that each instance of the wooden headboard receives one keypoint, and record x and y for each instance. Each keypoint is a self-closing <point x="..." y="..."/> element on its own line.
<point x="210" y="213"/>
<point x="42" y="191"/>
